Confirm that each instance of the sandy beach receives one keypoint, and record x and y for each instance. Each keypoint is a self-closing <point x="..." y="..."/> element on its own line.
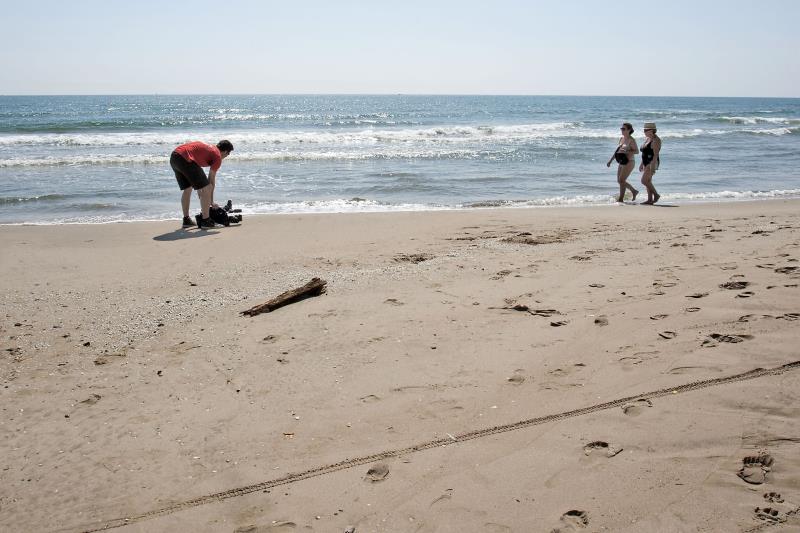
<point x="517" y="370"/>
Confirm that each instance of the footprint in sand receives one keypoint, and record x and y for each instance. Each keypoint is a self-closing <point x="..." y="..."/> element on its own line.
<point x="745" y="294"/>
<point x="755" y="468"/>
<point x="787" y="270"/>
<point x="572" y="521"/>
<point x="689" y="369"/>
<point x="602" y="320"/>
<point x="277" y="527"/>
<point x="697" y="295"/>
<point x="769" y="514"/>
<point x="773" y="497"/>
<point x="601" y="448"/>
<point x="91" y="400"/>
<point x="658" y="317"/>
<point x="370" y="398"/>
<point x="108" y="358"/>
<point x="559" y="323"/>
<point x="517" y="378"/>
<point x="377" y="473"/>
<point x="501" y="274"/>
<point x="492" y="527"/>
<point x="526" y="237"/>
<point x="789" y="316"/>
<point x="447" y="496"/>
<point x="561" y="372"/>
<point x="667" y="335"/>
<point x="636" y="407"/>
<point x="413" y="258"/>
<point x="715" y="338"/>
<point x="596" y="285"/>
<point x="734" y="285"/>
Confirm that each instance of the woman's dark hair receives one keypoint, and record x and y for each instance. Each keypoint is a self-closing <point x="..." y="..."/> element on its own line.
<point x="225" y="146"/>
<point x="629" y="126"/>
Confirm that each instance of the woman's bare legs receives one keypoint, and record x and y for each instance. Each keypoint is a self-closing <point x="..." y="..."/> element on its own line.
<point x="623" y="171"/>
<point x="647" y="181"/>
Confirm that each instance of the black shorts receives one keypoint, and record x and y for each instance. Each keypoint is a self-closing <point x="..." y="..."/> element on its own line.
<point x="188" y="173"/>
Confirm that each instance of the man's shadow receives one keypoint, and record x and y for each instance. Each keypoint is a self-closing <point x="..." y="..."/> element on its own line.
<point x="182" y="233"/>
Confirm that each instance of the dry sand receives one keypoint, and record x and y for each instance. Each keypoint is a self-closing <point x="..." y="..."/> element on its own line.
<point x="131" y="384"/>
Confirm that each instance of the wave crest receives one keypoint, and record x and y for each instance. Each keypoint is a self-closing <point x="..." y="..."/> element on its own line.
<point x="14" y="200"/>
<point x="760" y="120"/>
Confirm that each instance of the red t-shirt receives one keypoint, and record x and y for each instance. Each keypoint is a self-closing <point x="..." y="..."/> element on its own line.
<point x="201" y="153"/>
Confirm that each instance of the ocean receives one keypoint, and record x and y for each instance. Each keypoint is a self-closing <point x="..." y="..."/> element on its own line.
<point x="99" y="159"/>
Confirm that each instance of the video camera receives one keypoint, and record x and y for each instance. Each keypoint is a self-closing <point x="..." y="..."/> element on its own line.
<point x="226" y="215"/>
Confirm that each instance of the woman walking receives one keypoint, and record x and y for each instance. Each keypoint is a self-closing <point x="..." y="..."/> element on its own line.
<point x="650" y="160"/>
<point x="625" y="156"/>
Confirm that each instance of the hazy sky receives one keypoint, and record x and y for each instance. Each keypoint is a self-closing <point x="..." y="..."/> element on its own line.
<point x="580" y="47"/>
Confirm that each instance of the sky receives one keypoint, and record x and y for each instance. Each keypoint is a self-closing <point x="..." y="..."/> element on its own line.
<point x="566" y="47"/>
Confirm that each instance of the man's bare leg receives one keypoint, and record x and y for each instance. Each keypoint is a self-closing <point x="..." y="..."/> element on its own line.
<point x="186" y="198"/>
<point x="205" y="200"/>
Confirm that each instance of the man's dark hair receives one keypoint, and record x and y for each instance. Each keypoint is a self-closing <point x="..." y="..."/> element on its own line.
<point x="225" y="146"/>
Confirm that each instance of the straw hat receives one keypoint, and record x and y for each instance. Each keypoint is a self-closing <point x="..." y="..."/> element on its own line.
<point x="650" y="126"/>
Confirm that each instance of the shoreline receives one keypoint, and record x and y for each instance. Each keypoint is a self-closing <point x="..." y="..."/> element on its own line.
<point x="665" y="202"/>
<point x="126" y="364"/>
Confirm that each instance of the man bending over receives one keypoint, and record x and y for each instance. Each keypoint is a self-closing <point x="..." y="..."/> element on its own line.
<point x="187" y="161"/>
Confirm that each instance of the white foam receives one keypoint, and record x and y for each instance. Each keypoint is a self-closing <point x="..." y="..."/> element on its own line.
<point x="733" y="195"/>
<point x="277" y="155"/>
<point x="435" y="136"/>
<point x="327" y="137"/>
<point x="761" y="120"/>
<point x="339" y="206"/>
<point x="356" y="205"/>
<point x="553" y="201"/>
<point x="74" y="160"/>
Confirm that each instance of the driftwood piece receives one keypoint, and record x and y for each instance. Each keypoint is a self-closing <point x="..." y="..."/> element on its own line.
<point x="315" y="287"/>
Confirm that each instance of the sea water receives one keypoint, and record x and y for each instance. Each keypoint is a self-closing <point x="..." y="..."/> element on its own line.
<point x="93" y="159"/>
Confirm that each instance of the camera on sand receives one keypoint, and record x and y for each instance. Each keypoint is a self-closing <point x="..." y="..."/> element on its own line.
<point x="226" y="215"/>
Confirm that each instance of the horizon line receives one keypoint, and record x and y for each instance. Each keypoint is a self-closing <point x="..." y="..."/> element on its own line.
<point x="392" y="94"/>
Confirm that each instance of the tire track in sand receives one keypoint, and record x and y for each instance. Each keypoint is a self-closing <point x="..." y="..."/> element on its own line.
<point x="452" y="439"/>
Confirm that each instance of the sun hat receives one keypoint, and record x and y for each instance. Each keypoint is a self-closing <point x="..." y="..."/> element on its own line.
<point x="649" y="126"/>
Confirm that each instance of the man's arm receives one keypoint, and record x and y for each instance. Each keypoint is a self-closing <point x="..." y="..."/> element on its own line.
<point x="212" y="180"/>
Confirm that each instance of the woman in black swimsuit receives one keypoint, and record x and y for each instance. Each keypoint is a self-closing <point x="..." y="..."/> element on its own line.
<point x="624" y="155"/>
<point x="650" y="160"/>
